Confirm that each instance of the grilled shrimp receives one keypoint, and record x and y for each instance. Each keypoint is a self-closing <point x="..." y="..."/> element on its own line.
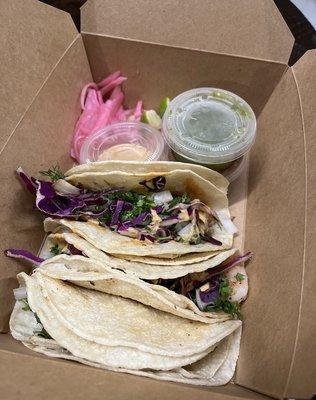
<point x="238" y="281"/>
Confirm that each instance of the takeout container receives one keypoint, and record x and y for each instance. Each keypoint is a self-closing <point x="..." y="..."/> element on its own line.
<point x="174" y="46"/>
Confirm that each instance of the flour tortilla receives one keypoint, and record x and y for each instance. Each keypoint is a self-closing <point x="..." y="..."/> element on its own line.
<point x="177" y="181"/>
<point x="92" y="274"/>
<point x="173" y="269"/>
<point x="192" y="258"/>
<point x="115" y="356"/>
<point x="158" y="166"/>
<point x="129" y="323"/>
<point x="113" y="243"/>
<point x="217" y="368"/>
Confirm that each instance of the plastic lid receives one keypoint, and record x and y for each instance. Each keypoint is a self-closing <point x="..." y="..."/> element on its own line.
<point x="124" y="141"/>
<point x="209" y="126"/>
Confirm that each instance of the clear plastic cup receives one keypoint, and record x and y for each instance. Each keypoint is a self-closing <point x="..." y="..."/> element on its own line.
<point x="124" y="141"/>
<point x="210" y="127"/>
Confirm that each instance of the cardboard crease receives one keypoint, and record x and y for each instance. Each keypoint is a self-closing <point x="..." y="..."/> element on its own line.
<point x="38" y="91"/>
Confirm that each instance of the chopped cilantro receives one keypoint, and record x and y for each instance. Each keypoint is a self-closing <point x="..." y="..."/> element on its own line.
<point x="239" y="277"/>
<point x="105" y="219"/>
<point x="26" y="306"/>
<point x="222" y="303"/>
<point x="126" y="215"/>
<point x="43" y="333"/>
<point x="140" y="203"/>
<point x="179" y="199"/>
<point x="55" y="250"/>
<point x="53" y="173"/>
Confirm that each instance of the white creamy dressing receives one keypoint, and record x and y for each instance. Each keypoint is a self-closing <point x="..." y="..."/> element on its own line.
<point x="125" y="151"/>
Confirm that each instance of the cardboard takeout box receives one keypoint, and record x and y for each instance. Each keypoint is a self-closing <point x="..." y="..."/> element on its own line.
<point x="165" y="47"/>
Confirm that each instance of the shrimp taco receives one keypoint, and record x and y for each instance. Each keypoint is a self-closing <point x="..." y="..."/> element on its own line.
<point x="162" y="213"/>
<point x="137" y="274"/>
<point x="136" y="339"/>
<point x="208" y="291"/>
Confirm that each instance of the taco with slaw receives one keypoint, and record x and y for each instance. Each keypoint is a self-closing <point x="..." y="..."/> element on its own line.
<point x="137" y="273"/>
<point x="166" y="213"/>
<point x="207" y="291"/>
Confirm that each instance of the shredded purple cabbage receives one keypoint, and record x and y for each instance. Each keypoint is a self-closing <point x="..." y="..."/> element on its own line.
<point x="225" y="266"/>
<point x="117" y="211"/>
<point x="141" y="218"/>
<point x="212" y="240"/>
<point x="155" y="185"/>
<point x="196" y="279"/>
<point x="146" y="236"/>
<point x="159" y="209"/>
<point x="211" y="294"/>
<point x="120" y="210"/>
<point x="73" y="250"/>
<point x="29" y="183"/>
<point x="24" y="255"/>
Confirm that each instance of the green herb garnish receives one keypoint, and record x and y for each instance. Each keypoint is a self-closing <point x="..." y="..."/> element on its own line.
<point x="140" y="203"/>
<point x="55" y="250"/>
<point x="105" y="219"/>
<point x="54" y="173"/>
<point x="26" y="306"/>
<point x="239" y="277"/>
<point x="222" y="303"/>
<point x="43" y="333"/>
<point x="127" y="215"/>
<point x="179" y="199"/>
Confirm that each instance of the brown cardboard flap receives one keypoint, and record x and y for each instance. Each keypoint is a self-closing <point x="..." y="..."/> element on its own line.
<point x="38" y="377"/>
<point x="156" y="71"/>
<point x="41" y="140"/>
<point x="33" y="37"/>
<point x="302" y="380"/>
<point x="275" y="233"/>
<point x="251" y="28"/>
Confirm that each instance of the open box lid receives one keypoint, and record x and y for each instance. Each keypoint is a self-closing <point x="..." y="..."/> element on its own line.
<point x="245" y="28"/>
<point x="32" y="43"/>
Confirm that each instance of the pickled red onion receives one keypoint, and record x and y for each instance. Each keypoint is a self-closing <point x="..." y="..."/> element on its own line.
<point x="101" y="104"/>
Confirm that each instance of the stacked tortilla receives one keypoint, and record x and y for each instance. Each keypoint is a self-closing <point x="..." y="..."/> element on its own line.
<point x="102" y="307"/>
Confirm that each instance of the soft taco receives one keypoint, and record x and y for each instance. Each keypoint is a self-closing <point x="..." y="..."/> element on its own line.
<point x="138" y="274"/>
<point x="155" y="166"/>
<point x="126" y="336"/>
<point x="206" y="291"/>
<point x="163" y="213"/>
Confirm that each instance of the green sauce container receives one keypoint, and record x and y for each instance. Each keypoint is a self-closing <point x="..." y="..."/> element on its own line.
<point x="208" y="126"/>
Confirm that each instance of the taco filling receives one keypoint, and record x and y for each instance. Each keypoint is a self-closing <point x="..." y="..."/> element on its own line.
<point x="150" y="214"/>
<point x="221" y="288"/>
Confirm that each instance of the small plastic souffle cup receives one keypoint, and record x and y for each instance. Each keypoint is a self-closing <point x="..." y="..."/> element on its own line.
<point x="127" y="141"/>
<point x="210" y="127"/>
